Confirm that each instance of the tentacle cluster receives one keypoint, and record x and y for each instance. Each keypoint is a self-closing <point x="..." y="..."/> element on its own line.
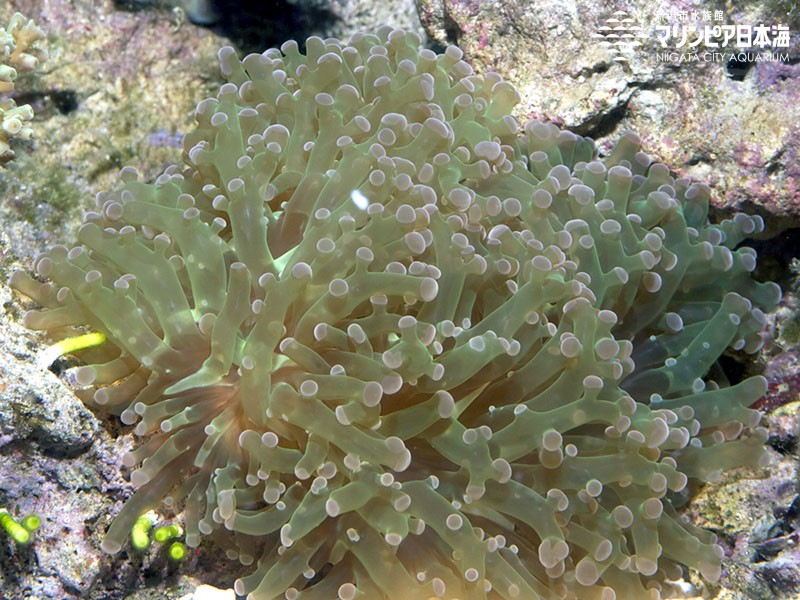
<point x="407" y="350"/>
<point x="21" y="51"/>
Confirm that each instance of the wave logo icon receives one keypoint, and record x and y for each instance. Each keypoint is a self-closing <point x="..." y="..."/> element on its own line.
<point x="620" y="34"/>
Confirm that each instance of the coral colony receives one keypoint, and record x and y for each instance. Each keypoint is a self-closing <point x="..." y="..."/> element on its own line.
<point x="380" y="343"/>
<point x="20" y="52"/>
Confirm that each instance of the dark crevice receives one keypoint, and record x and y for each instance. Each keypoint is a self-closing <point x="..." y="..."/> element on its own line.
<point x="605" y="124"/>
<point x="783" y="534"/>
<point x="660" y="84"/>
<point x="785" y="444"/>
<point x="253" y="25"/>
<point x="451" y="30"/>
<point x="775" y="256"/>
<point x="47" y="103"/>
<point x="59" y="365"/>
<point x="733" y="370"/>
<point x="738" y="69"/>
<point x="596" y="69"/>
<point x="774" y="165"/>
<point x="701" y="156"/>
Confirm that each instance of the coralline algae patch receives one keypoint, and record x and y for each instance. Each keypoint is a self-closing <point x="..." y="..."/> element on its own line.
<point x="381" y="343"/>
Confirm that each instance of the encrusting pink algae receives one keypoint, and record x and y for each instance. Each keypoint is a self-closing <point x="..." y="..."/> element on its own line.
<point x="381" y="342"/>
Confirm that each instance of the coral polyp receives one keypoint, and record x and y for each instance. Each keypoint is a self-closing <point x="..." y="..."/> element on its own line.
<point x="405" y="348"/>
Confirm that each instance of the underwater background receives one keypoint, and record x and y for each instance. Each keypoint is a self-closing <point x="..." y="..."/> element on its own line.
<point x="119" y="87"/>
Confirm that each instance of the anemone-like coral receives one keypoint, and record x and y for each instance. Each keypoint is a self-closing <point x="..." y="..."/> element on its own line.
<point x="20" y="51"/>
<point x="407" y="351"/>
